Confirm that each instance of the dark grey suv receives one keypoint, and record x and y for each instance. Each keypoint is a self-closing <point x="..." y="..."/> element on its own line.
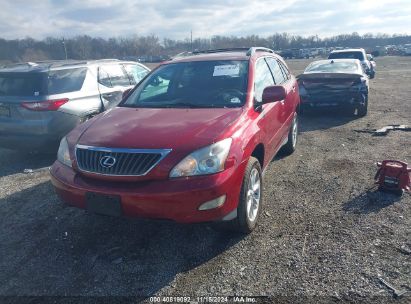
<point x="41" y="102"/>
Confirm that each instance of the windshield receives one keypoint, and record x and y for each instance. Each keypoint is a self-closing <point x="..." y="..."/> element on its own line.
<point x="333" y="67"/>
<point x="201" y="84"/>
<point x="347" y="55"/>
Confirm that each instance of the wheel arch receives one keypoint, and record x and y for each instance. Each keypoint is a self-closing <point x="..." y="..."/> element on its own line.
<point x="259" y="153"/>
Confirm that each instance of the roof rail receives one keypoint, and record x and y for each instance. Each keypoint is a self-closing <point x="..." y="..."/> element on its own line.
<point x="253" y="50"/>
<point x="220" y="50"/>
<point x="18" y="64"/>
<point x="104" y="60"/>
<point x="249" y="51"/>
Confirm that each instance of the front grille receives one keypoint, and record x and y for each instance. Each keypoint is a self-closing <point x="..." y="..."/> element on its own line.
<point x="120" y="162"/>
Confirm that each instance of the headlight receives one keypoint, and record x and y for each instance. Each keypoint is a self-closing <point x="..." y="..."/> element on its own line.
<point x="207" y="160"/>
<point x="63" y="154"/>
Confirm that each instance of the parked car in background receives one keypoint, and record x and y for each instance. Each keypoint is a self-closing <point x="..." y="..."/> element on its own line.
<point x="286" y="54"/>
<point x="372" y="61"/>
<point x="355" y="54"/>
<point x="41" y="102"/>
<point x="337" y="83"/>
<point x="188" y="144"/>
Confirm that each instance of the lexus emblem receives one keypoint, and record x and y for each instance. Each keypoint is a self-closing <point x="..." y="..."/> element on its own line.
<point x="107" y="161"/>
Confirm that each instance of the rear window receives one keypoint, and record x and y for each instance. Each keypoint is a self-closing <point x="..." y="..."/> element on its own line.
<point x="347" y="55"/>
<point x="65" y="81"/>
<point x="333" y="67"/>
<point x="22" y="84"/>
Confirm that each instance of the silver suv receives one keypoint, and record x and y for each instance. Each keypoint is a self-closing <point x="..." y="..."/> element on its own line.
<point x="41" y="102"/>
<point x="359" y="54"/>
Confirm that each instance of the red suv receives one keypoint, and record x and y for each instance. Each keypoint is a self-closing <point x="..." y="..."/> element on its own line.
<point x="189" y="142"/>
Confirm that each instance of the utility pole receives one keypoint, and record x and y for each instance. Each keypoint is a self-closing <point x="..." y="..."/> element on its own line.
<point x="65" y="49"/>
<point x="191" y="40"/>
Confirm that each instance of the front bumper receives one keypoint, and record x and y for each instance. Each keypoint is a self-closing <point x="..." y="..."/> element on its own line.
<point x="171" y="199"/>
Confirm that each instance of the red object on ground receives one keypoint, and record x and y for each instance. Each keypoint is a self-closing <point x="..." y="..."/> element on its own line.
<point x="393" y="175"/>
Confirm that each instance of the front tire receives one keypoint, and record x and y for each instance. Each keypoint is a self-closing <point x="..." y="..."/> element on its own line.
<point x="291" y="144"/>
<point x="249" y="206"/>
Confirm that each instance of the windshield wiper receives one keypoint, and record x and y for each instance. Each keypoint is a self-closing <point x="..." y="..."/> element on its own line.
<point x="175" y="105"/>
<point x="184" y="104"/>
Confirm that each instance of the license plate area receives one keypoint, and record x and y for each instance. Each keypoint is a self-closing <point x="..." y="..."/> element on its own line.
<point x="4" y="111"/>
<point x="103" y="204"/>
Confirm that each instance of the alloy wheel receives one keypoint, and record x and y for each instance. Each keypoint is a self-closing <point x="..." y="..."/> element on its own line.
<point x="253" y="195"/>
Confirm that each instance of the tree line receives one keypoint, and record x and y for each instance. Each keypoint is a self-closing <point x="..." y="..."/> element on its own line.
<point x="86" y="47"/>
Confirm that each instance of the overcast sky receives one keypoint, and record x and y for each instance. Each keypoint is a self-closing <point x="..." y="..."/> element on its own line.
<point x="175" y="18"/>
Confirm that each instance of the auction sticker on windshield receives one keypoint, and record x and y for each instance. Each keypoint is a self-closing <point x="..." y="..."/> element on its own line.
<point x="227" y="70"/>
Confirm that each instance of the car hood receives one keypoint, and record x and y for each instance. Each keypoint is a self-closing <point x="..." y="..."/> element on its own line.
<point x="146" y="128"/>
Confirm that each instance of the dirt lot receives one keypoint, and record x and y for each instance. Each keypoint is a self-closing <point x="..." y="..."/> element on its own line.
<point x="326" y="234"/>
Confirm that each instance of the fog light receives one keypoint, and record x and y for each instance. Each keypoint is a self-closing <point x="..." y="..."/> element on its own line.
<point x="213" y="204"/>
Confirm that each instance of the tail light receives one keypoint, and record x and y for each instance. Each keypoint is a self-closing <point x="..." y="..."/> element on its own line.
<point x="47" y="105"/>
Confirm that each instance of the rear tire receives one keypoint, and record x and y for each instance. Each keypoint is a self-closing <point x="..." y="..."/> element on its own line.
<point x="291" y="144"/>
<point x="249" y="206"/>
<point x="362" y="110"/>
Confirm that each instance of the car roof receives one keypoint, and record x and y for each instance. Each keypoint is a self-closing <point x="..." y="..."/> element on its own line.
<point x="45" y="66"/>
<point x="337" y="60"/>
<point x="221" y="54"/>
<point x="348" y="50"/>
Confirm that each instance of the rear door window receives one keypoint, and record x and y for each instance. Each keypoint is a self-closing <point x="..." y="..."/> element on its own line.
<point x="263" y="79"/>
<point x="278" y="75"/>
<point x="104" y="78"/>
<point x="135" y="73"/>
<point x="66" y="80"/>
<point x="22" y="84"/>
<point x="286" y="71"/>
<point x="113" y="75"/>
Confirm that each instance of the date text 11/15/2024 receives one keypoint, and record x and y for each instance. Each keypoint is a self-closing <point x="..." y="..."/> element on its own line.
<point x="204" y="299"/>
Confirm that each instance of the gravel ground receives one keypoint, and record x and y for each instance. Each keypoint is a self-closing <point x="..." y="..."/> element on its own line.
<point x="326" y="234"/>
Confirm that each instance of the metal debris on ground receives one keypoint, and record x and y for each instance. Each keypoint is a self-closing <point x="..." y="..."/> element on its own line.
<point x="405" y="250"/>
<point x="397" y="293"/>
<point x="385" y="130"/>
<point x="28" y="171"/>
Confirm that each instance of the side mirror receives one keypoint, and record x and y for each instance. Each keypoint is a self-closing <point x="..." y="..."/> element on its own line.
<point x="156" y="81"/>
<point x="273" y="94"/>
<point x="126" y="93"/>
